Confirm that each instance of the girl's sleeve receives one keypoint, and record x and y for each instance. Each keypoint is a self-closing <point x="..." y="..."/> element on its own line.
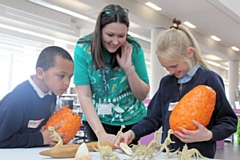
<point x="153" y="120"/>
<point x="224" y="120"/>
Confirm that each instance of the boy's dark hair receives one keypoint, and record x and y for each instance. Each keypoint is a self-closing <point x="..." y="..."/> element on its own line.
<point x="47" y="57"/>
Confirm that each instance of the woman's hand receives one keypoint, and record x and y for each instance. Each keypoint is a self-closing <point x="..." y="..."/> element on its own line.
<point x="199" y="135"/>
<point x="126" y="137"/>
<point x="107" y="137"/>
<point x="125" y="61"/>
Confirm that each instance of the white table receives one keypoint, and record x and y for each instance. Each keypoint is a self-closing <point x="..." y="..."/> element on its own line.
<point x="33" y="154"/>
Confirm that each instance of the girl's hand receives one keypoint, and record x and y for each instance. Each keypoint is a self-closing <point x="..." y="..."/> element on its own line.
<point x="125" y="61"/>
<point x="199" y="135"/>
<point x="126" y="137"/>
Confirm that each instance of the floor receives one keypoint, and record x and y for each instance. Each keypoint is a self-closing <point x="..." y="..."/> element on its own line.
<point x="230" y="151"/>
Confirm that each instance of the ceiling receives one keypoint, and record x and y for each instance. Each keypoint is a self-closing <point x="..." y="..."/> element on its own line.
<point x="34" y="24"/>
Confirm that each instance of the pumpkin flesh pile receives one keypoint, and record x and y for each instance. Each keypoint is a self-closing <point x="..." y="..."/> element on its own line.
<point x="198" y="104"/>
<point x="70" y="123"/>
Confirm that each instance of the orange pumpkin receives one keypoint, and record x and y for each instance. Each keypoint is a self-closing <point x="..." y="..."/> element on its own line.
<point x="198" y="104"/>
<point x="70" y="123"/>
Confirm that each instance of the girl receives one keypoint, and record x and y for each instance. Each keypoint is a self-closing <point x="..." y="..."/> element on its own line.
<point x="179" y="53"/>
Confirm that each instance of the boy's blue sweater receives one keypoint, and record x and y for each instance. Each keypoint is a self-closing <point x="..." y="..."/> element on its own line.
<point x="222" y="124"/>
<point x="17" y="108"/>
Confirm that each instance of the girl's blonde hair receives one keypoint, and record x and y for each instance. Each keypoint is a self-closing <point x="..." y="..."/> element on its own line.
<point x="174" y="43"/>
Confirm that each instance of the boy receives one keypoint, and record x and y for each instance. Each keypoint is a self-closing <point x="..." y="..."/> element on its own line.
<point x="25" y="110"/>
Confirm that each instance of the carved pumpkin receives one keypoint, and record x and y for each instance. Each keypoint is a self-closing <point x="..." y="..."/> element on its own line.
<point x="70" y="123"/>
<point x="198" y="104"/>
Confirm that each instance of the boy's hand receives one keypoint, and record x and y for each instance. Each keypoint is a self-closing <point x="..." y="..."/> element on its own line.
<point x="48" y="137"/>
<point x="60" y="134"/>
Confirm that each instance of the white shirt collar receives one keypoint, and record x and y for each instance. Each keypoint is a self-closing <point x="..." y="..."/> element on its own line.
<point x="188" y="76"/>
<point x="40" y="93"/>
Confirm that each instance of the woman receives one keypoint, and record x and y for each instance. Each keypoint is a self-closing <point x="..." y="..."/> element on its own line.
<point x="110" y="76"/>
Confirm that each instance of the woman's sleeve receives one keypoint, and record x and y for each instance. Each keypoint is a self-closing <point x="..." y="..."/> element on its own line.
<point x="138" y="61"/>
<point x="80" y="66"/>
